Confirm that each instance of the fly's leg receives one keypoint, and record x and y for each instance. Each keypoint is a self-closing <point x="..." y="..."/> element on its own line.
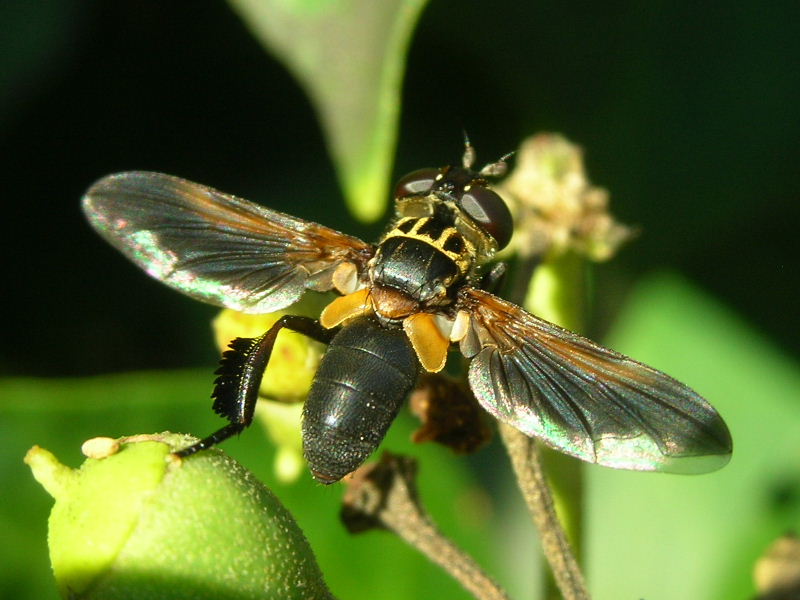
<point x="495" y="278"/>
<point x="239" y="377"/>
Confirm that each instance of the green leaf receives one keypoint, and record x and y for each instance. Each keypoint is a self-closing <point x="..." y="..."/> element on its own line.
<point x="349" y="56"/>
<point x="653" y="535"/>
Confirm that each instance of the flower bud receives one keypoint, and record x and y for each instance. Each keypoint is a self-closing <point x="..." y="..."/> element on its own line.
<point x="139" y="523"/>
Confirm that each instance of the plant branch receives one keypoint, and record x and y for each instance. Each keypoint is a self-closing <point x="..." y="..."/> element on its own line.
<point x="384" y="495"/>
<point x="526" y="460"/>
<point x="525" y="453"/>
<point x="557" y="292"/>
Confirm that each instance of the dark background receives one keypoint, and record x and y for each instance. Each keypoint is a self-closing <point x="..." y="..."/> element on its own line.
<point x="688" y="114"/>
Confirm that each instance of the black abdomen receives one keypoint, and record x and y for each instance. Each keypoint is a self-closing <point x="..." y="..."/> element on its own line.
<point x="361" y="382"/>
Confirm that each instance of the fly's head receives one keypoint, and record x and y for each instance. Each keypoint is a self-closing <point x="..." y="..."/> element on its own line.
<point x="463" y="197"/>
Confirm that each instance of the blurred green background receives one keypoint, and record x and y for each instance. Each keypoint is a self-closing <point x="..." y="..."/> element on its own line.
<point x="688" y="114"/>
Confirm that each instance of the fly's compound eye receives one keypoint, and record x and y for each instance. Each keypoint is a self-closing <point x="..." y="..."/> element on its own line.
<point x="416" y="183"/>
<point x="489" y="211"/>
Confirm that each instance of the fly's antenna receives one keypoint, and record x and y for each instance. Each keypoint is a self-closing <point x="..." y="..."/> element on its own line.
<point x="497" y="168"/>
<point x="469" y="152"/>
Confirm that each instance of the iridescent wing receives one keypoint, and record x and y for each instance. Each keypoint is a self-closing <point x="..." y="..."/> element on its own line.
<point x="584" y="399"/>
<point x="214" y="247"/>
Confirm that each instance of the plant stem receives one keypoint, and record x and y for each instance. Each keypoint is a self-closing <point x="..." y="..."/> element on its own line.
<point x="384" y="495"/>
<point x="527" y="463"/>
<point x="555" y="292"/>
<point x="416" y="528"/>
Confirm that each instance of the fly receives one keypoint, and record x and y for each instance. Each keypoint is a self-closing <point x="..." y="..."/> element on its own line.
<point x="404" y="303"/>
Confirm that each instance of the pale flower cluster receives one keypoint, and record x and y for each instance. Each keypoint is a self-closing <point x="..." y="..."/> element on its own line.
<point x="555" y="206"/>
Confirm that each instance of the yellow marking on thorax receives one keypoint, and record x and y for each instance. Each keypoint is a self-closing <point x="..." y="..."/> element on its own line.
<point x="463" y="259"/>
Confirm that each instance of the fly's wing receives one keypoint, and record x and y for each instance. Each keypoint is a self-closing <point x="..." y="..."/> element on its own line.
<point x="584" y="399"/>
<point x="214" y="247"/>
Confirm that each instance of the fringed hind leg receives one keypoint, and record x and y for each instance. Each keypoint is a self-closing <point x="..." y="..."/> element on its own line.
<point x="239" y="377"/>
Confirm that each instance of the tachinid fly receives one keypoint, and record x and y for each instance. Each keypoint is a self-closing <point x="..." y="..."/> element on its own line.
<point x="404" y="302"/>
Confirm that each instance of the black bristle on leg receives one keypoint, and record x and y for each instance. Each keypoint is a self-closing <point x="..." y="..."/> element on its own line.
<point x="239" y="375"/>
<point x="235" y="366"/>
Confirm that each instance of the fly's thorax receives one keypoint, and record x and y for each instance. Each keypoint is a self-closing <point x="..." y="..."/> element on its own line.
<point x="440" y="233"/>
<point x="424" y="258"/>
